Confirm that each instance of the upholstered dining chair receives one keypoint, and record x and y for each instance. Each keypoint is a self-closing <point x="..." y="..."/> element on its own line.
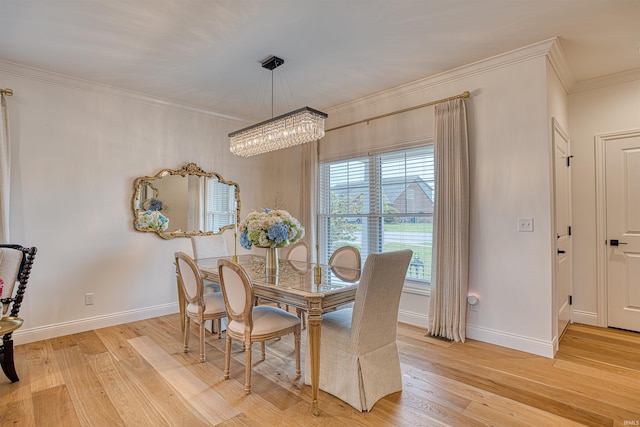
<point x="359" y="360"/>
<point x="209" y="246"/>
<point x="200" y="306"/>
<point x="298" y="257"/>
<point x="345" y="263"/>
<point x="249" y="323"/>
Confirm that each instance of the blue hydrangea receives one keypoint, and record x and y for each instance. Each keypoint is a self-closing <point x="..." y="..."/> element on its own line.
<point x="244" y="241"/>
<point x="278" y="232"/>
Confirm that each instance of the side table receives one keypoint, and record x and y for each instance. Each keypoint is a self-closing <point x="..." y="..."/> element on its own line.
<point x="7" y="326"/>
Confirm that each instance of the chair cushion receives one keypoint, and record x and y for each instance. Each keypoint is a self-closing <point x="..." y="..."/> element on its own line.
<point x="266" y="319"/>
<point x="213" y="301"/>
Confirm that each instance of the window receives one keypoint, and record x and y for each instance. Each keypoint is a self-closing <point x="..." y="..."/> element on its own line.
<point x="380" y="203"/>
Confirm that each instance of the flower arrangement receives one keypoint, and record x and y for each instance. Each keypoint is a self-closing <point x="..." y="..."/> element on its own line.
<point x="1" y="287"/>
<point x="152" y="219"/>
<point x="270" y="228"/>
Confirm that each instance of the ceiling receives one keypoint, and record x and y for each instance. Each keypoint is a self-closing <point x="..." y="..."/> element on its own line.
<point x="207" y="53"/>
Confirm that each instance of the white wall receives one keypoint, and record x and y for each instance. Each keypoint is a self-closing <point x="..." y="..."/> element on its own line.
<point x="598" y="107"/>
<point x="76" y="149"/>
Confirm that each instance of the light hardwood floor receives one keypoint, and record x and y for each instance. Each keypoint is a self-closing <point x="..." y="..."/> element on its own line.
<point x="137" y="375"/>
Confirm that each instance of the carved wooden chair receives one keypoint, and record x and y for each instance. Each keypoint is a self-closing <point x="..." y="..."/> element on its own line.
<point x="15" y="266"/>
<point x="249" y="323"/>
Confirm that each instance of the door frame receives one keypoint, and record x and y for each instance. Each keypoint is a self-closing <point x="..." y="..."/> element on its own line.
<point x="601" y="219"/>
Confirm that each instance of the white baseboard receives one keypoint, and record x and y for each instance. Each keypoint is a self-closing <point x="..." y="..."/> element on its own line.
<point x="516" y="342"/>
<point x="585" y="317"/>
<point x="24" y="336"/>
<point x="415" y="319"/>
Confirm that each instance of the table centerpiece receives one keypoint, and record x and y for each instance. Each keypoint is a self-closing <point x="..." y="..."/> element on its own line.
<point x="270" y="229"/>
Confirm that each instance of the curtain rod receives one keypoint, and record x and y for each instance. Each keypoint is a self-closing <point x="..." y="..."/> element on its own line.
<point x="8" y="92"/>
<point x="464" y="94"/>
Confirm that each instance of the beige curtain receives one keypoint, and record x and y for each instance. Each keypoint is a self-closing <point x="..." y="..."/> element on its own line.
<point x="5" y="172"/>
<point x="450" y="266"/>
<point x="309" y="195"/>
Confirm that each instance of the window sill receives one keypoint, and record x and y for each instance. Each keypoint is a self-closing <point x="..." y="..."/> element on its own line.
<point x="414" y="289"/>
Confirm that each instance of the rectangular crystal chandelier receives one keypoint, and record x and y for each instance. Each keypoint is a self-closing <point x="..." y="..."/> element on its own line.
<point x="290" y="129"/>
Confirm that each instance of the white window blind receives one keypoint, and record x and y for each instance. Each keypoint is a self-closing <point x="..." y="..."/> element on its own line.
<point x="380" y="203"/>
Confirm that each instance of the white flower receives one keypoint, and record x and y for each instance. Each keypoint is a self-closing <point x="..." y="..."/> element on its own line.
<point x="152" y="219"/>
<point x="270" y="228"/>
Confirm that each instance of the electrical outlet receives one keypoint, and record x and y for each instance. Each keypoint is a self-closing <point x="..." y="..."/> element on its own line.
<point x="525" y="224"/>
<point x="88" y="299"/>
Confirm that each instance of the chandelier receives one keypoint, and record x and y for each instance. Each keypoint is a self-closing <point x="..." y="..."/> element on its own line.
<point x="287" y="130"/>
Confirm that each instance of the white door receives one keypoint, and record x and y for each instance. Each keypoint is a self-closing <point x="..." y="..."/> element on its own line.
<point x="562" y="184"/>
<point x="622" y="175"/>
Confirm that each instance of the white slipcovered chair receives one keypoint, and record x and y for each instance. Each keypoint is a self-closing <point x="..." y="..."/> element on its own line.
<point x="249" y="323"/>
<point x="210" y="246"/>
<point x="200" y="306"/>
<point x="359" y="360"/>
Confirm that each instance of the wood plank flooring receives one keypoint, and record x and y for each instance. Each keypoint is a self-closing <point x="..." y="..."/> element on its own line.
<point x="137" y="374"/>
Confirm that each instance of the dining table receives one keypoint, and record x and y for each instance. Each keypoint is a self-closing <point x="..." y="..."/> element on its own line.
<point x="314" y="288"/>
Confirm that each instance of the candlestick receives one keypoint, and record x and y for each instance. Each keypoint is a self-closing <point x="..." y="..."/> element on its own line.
<point x="235" y="243"/>
<point x="317" y="271"/>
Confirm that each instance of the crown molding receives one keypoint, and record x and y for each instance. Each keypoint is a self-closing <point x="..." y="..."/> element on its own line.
<point x="71" y="82"/>
<point x="608" y="80"/>
<point x="558" y="61"/>
<point x="526" y="53"/>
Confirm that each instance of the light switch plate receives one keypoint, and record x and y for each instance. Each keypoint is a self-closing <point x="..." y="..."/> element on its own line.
<point x="525" y="224"/>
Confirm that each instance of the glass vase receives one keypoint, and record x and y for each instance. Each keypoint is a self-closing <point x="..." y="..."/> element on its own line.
<point x="271" y="262"/>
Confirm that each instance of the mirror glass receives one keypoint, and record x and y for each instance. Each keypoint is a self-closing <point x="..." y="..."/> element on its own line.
<point x="185" y="202"/>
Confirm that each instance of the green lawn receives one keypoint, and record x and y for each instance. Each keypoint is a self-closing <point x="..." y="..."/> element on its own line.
<point x="407" y="226"/>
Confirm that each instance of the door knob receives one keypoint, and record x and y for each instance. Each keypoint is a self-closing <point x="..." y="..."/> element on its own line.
<point x="615" y="242"/>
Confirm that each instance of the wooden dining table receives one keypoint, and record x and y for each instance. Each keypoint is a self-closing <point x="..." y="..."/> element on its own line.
<point x="297" y="284"/>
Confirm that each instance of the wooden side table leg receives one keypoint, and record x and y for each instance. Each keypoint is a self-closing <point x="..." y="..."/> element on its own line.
<point x="6" y="360"/>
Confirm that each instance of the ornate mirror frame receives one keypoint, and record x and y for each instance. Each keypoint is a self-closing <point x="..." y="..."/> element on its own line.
<point x="148" y="185"/>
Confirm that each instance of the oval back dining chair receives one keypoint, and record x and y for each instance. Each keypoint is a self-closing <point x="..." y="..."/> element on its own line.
<point x="359" y="360"/>
<point x="249" y="323"/>
<point x="345" y="263"/>
<point x="201" y="306"/>
<point x="298" y="257"/>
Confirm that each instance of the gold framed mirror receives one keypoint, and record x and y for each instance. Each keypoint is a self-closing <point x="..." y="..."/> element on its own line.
<point x="185" y="202"/>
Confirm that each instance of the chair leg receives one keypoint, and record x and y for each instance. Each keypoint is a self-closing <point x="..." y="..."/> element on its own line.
<point x="219" y="328"/>
<point x="262" y="350"/>
<point x="187" y="323"/>
<point x="302" y="317"/>
<point x="296" y="337"/>
<point x="227" y="358"/>
<point x="247" y="368"/>
<point x="202" y="328"/>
